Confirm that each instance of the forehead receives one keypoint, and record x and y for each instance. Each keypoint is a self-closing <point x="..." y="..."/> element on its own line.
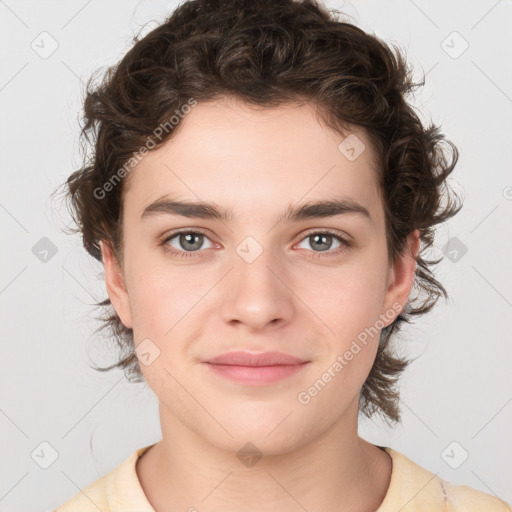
<point x="255" y="158"/>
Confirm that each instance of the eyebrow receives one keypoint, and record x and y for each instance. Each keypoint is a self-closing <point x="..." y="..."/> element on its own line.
<point x="203" y="210"/>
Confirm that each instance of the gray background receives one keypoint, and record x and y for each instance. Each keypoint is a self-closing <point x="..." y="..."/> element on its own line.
<point x="458" y="391"/>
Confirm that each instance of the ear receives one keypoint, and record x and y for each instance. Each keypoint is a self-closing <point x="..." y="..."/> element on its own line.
<point x="401" y="277"/>
<point x="116" y="286"/>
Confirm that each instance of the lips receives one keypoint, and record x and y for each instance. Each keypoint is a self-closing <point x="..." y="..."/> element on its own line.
<point x="242" y="358"/>
<point x="255" y="369"/>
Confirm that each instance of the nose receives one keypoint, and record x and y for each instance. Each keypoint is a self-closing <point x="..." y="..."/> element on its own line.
<point x="256" y="294"/>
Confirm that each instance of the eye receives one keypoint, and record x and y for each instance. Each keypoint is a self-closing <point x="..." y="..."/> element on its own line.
<point x="185" y="243"/>
<point x="323" y="241"/>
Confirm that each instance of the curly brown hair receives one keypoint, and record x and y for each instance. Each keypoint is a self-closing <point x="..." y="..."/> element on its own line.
<point x="268" y="53"/>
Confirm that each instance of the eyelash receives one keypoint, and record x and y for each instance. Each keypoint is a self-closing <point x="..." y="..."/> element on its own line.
<point x="345" y="244"/>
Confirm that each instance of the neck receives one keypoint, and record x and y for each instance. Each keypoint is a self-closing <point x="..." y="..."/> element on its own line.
<point x="337" y="471"/>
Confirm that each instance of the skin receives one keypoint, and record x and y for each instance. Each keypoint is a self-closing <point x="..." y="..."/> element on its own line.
<point x="257" y="162"/>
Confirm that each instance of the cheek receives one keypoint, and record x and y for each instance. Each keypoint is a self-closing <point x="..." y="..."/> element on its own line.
<point x="348" y="299"/>
<point x="161" y="294"/>
<point x="349" y="302"/>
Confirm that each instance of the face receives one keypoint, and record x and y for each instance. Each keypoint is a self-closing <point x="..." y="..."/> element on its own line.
<point x="260" y="269"/>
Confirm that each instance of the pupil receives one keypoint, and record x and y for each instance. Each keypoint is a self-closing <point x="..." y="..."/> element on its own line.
<point x="186" y="239"/>
<point x="323" y="239"/>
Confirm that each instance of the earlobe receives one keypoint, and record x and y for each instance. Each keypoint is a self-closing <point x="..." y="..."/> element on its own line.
<point x="115" y="284"/>
<point x="401" y="276"/>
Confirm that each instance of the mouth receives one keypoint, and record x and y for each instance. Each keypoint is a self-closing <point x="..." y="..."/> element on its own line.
<point x="256" y="369"/>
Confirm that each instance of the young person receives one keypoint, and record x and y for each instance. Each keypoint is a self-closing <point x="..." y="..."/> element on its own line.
<point x="262" y="196"/>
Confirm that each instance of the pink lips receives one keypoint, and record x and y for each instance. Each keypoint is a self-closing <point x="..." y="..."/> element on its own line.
<point x="256" y="369"/>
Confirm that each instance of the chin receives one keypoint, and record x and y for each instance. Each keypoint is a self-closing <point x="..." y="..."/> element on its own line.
<point x="273" y="432"/>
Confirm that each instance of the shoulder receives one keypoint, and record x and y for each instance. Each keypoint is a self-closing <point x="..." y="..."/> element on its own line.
<point x="118" y="490"/>
<point x="464" y="498"/>
<point x="92" y="497"/>
<point x="414" y="489"/>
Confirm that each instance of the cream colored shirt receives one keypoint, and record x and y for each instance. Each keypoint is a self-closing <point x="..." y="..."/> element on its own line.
<point x="411" y="489"/>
